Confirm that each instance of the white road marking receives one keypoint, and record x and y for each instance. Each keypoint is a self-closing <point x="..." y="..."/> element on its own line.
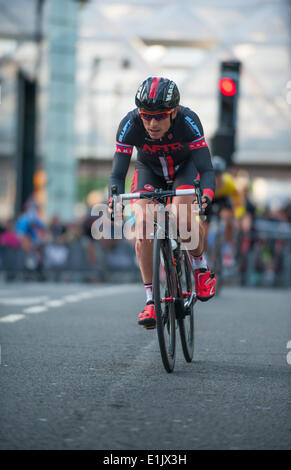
<point x="23" y="301"/>
<point x="113" y="290"/>
<point x="108" y="290"/>
<point x="54" y="303"/>
<point x="35" y="309"/>
<point x="12" y="318"/>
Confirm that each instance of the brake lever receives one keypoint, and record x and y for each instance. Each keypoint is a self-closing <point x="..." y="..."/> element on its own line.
<point x="114" y="193"/>
<point x="198" y="194"/>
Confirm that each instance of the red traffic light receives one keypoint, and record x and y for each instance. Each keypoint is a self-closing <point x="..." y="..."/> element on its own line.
<point x="227" y="86"/>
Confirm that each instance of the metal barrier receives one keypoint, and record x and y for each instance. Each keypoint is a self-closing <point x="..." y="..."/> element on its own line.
<point x="81" y="260"/>
<point x="264" y="255"/>
<point x="262" y="258"/>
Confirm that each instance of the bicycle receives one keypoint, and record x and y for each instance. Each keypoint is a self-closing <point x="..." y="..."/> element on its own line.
<point x="173" y="295"/>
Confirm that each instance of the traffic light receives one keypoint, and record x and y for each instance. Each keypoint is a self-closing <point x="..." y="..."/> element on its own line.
<point x="228" y="96"/>
<point x="223" y="141"/>
<point x="227" y="86"/>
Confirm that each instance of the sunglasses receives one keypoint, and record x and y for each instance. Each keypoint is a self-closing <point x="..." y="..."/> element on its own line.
<point x="157" y="116"/>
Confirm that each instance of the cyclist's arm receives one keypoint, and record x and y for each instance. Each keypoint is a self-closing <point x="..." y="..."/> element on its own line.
<point x="200" y="153"/>
<point x="122" y="155"/>
<point x="202" y="161"/>
<point x="119" y="171"/>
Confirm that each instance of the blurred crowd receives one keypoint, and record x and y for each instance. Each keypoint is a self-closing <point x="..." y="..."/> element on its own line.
<point x="32" y="249"/>
<point x="259" y="252"/>
<point x="263" y="247"/>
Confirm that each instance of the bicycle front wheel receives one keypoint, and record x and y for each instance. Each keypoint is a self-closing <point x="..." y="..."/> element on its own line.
<point x="164" y="295"/>
<point x="186" y="324"/>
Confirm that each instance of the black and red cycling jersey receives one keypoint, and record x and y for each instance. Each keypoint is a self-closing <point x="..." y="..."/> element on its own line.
<point x="164" y="158"/>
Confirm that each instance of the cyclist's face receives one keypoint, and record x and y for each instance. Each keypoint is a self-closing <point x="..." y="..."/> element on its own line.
<point x="157" y="129"/>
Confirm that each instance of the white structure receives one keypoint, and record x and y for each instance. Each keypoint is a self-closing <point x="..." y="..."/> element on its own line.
<point x="119" y="44"/>
<point x="123" y="42"/>
<point x="59" y="113"/>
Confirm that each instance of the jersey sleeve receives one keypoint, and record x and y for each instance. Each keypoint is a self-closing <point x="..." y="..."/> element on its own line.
<point x="200" y="152"/>
<point x="123" y="151"/>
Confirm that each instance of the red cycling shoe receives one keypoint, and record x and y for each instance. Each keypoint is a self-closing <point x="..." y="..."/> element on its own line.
<point x="205" y="284"/>
<point x="147" y="318"/>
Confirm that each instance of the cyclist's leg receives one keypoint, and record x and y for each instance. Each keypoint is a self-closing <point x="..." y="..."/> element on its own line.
<point x="204" y="279"/>
<point x="145" y="180"/>
<point x="190" y="225"/>
<point x="227" y="215"/>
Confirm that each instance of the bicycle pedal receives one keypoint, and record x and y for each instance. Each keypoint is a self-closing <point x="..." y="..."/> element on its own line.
<point x="150" y="327"/>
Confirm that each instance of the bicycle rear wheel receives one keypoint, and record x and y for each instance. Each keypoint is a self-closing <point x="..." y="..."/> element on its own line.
<point x="186" y="324"/>
<point x="164" y="294"/>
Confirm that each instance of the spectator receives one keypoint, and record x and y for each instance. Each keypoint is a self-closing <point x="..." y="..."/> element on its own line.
<point x="8" y="237"/>
<point x="30" y="224"/>
<point x="56" y="228"/>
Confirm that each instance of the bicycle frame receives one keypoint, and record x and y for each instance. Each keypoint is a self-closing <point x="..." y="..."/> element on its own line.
<point x="161" y="197"/>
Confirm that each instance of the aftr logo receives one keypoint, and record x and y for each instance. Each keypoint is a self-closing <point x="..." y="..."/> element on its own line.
<point x="166" y="147"/>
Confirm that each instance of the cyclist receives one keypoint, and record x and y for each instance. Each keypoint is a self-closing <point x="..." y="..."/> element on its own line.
<point x="170" y="148"/>
<point x="226" y="193"/>
<point x="227" y="204"/>
<point x="227" y="198"/>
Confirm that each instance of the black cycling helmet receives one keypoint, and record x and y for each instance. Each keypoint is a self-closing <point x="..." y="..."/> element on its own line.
<point x="219" y="164"/>
<point x="157" y="94"/>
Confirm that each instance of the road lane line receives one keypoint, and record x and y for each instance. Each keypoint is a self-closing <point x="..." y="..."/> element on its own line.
<point x="23" y="301"/>
<point x="108" y="290"/>
<point x="55" y="303"/>
<point x="35" y="309"/>
<point x="118" y="289"/>
<point x="12" y="318"/>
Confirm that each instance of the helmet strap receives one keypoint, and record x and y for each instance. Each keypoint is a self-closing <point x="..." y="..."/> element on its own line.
<point x="171" y="121"/>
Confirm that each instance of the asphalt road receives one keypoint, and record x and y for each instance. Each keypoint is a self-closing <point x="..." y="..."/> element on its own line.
<point x="77" y="372"/>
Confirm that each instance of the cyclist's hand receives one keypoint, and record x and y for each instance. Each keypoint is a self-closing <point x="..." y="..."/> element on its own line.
<point x="206" y="203"/>
<point x="110" y="206"/>
<point x="118" y="209"/>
